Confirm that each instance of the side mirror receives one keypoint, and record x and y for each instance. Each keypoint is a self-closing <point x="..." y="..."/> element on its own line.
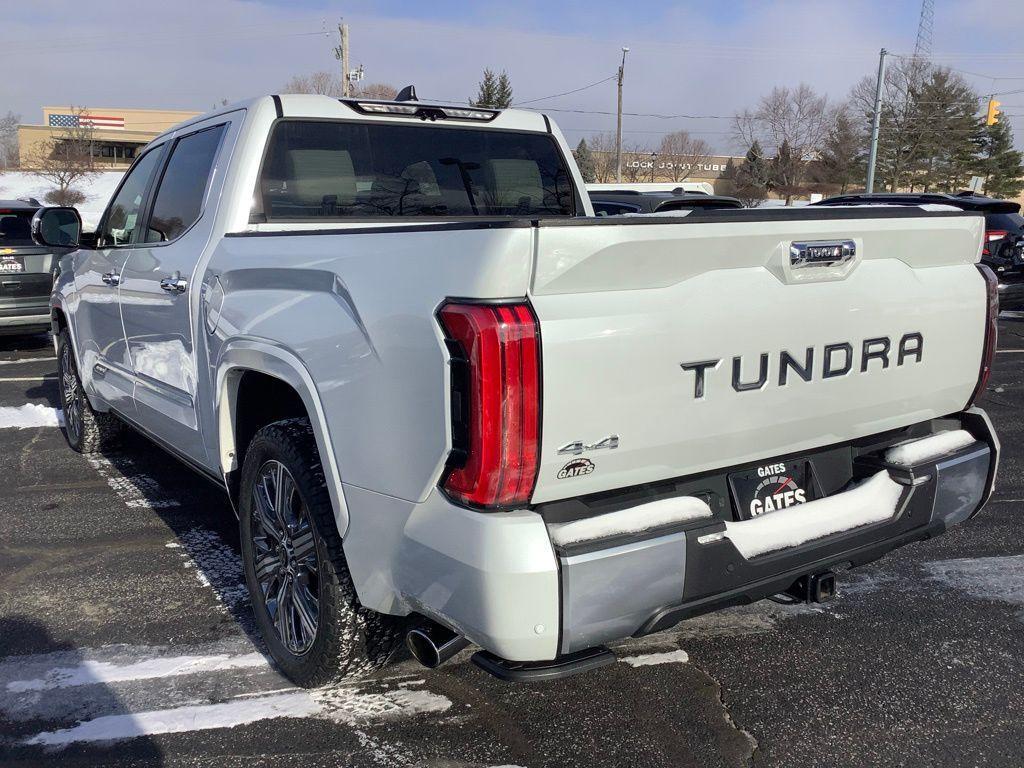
<point x="57" y="227"/>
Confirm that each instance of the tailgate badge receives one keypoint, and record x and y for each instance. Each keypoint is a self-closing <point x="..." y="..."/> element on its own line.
<point x="821" y="253"/>
<point x="576" y="468"/>
<point x="578" y="446"/>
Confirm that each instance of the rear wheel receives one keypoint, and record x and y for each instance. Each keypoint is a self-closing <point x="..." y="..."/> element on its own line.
<point x="86" y="430"/>
<point x="299" y="584"/>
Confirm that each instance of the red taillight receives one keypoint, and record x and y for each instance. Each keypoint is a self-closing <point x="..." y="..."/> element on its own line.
<point x="495" y="402"/>
<point x="991" y="331"/>
<point x="991" y="235"/>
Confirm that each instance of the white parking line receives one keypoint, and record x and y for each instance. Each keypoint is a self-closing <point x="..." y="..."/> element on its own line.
<point x="650" y="659"/>
<point x="1007" y="351"/>
<point x="30" y="378"/>
<point x="28" y="360"/>
<point x="103" y="672"/>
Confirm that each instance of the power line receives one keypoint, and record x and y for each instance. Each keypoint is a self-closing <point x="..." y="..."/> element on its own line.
<point x="566" y="93"/>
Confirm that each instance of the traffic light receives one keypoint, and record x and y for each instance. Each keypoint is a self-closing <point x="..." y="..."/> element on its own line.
<point x="993" y="112"/>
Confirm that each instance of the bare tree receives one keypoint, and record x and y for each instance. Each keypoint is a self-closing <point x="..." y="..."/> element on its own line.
<point x="637" y="163"/>
<point x="682" y="154"/>
<point x="383" y="91"/>
<point x="602" y="148"/>
<point x="797" y="119"/>
<point x="322" y="83"/>
<point x="9" y="141"/>
<point x="67" y="157"/>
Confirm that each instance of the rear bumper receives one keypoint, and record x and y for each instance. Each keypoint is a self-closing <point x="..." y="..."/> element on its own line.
<point x="1011" y="294"/>
<point x="497" y="578"/>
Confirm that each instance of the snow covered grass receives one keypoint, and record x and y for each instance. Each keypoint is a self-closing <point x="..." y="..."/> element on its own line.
<point x="97" y="190"/>
<point x="30" y="415"/>
<point x="640" y="518"/>
<point x="870" y="502"/>
<point x="928" y="448"/>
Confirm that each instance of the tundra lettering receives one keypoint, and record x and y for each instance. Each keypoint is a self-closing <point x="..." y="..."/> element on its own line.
<point x="838" y="360"/>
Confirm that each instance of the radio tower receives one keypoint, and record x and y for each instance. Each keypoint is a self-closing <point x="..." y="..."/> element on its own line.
<point x="923" y="46"/>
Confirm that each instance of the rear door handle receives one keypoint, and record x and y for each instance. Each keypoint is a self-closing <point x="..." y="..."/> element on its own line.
<point x="174" y="284"/>
<point x="111" y="278"/>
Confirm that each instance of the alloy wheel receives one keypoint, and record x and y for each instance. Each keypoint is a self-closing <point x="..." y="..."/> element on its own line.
<point x="72" y="395"/>
<point x="287" y="563"/>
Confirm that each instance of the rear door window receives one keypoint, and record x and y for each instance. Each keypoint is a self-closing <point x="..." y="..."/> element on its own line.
<point x="15" y="227"/>
<point x="336" y="170"/>
<point x="179" y="198"/>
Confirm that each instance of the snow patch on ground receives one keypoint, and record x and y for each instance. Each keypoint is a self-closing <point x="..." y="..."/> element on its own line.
<point x="870" y="502"/>
<point x="216" y="565"/>
<point x="340" y="705"/>
<point x="650" y="659"/>
<point x="136" y="489"/>
<point x="983" y="578"/>
<point x="100" y="672"/>
<point x="929" y="448"/>
<point x="30" y="415"/>
<point x="640" y="518"/>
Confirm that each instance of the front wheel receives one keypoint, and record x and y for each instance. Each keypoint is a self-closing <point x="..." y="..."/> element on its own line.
<point x="302" y="594"/>
<point x="86" y="430"/>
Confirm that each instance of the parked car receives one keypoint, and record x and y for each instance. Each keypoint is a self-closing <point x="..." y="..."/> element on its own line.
<point x="26" y="270"/>
<point x="620" y="202"/>
<point x="447" y="402"/>
<point x="1004" y="232"/>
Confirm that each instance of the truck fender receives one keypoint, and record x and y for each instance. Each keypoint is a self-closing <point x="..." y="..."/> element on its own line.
<point x="262" y="356"/>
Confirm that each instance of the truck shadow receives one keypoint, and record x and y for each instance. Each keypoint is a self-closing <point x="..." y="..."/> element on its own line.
<point x="46" y="695"/>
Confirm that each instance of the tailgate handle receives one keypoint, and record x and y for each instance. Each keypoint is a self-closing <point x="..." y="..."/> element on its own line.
<point x="821" y="253"/>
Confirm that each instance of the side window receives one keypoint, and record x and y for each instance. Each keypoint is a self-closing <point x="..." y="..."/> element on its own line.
<point x="179" y="198"/>
<point x="602" y="208"/>
<point x="122" y="216"/>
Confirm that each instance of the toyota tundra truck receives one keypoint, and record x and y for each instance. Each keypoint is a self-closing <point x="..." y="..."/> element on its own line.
<point x="451" y="405"/>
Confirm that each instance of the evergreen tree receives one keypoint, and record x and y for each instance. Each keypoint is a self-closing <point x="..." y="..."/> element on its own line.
<point x="751" y="179"/>
<point x="1000" y="164"/>
<point x="786" y="171"/>
<point x="494" y="91"/>
<point x="585" y="161"/>
<point x="842" y="158"/>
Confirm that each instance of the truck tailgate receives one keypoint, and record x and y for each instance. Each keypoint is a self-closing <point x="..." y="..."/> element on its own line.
<point x="624" y="306"/>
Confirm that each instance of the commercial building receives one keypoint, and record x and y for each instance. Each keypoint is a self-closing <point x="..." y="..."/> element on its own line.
<point x="652" y="167"/>
<point x="117" y="134"/>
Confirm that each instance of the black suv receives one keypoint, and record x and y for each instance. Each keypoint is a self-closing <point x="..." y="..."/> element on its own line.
<point x="1004" y="232"/>
<point x="617" y="202"/>
<point x="26" y="270"/>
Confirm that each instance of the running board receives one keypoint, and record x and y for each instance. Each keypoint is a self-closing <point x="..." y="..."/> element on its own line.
<point x="533" y="671"/>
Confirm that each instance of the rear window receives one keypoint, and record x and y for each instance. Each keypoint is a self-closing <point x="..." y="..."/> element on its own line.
<point x="1011" y="222"/>
<point x="15" y="227"/>
<point x="335" y="170"/>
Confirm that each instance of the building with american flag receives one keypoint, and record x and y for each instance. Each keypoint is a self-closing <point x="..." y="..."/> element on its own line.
<point x="116" y="133"/>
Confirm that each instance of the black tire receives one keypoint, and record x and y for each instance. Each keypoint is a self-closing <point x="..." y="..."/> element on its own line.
<point x="349" y="641"/>
<point x="86" y="430"/>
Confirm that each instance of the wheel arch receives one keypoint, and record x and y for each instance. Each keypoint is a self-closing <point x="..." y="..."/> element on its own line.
<point x="248" y="373"/>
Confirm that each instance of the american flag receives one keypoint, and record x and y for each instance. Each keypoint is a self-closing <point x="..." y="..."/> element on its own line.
<point x="106" y="122"/>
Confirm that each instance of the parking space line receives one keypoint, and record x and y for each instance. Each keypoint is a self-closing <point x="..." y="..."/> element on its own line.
<point x="28" y="360"/>
<point x="1008" y="351"/>
<point x="44" y="377"/>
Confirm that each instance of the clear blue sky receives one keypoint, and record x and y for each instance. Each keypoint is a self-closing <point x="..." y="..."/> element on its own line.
<point x="696" y="57"/>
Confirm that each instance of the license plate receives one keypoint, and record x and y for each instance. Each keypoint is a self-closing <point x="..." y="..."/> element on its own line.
<point x="770" y="487"/>
<point x="10" y="264"/>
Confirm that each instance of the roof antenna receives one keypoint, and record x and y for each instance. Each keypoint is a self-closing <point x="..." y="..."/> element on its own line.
<point x="407" y="94"/>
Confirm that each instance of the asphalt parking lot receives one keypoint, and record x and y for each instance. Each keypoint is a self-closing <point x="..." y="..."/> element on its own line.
<point x="125" y="640"/>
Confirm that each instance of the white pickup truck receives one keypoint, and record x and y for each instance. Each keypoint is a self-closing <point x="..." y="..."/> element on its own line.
<point x="449" y="403"/>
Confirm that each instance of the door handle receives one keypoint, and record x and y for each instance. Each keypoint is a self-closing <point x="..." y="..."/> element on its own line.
<point x="174" y="284"/>
<point x="111" y="278"/>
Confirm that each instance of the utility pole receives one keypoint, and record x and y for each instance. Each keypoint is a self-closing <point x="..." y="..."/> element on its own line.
<point x="876" y="122"/>
<point x="618" y="121"/>
<point x="341" y="54"/>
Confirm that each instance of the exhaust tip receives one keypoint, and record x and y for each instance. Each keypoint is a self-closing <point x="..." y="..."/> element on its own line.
<point x="432" y="645"/>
